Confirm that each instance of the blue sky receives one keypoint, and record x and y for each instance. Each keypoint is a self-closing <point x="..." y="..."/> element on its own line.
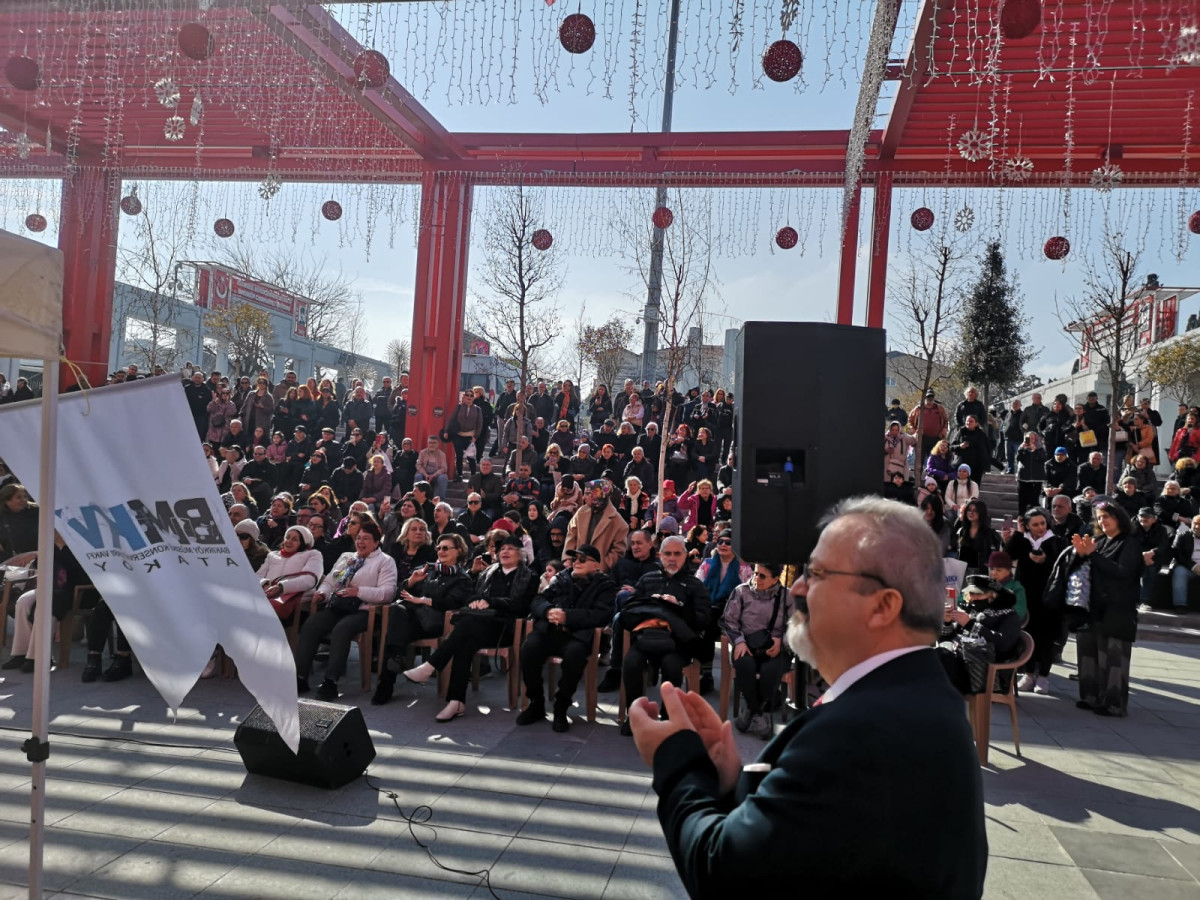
<point x="761" y="285"/>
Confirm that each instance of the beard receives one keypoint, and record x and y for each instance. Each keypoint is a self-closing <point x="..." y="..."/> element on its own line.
<point x="799" y="640"/>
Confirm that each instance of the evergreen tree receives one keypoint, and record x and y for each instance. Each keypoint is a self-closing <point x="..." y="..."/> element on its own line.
<point x="993" y="344"/>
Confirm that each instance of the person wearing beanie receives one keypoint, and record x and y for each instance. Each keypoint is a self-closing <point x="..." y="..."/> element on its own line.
<point x="256" y="551"/>
<point x="290" y="572"/>
<point x="1000" y="570"/>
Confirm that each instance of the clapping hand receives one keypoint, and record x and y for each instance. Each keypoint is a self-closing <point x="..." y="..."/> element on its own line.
<point x="689" y="712"/>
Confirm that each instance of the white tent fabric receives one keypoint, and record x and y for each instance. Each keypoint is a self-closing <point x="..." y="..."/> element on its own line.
<point x="31" y="295"/>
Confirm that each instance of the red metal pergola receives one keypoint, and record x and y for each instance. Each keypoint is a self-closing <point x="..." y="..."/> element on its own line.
<point x="1121" y="112"/>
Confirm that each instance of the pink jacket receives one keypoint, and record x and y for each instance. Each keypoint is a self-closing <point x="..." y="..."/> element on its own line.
<point x="689" y="502"/>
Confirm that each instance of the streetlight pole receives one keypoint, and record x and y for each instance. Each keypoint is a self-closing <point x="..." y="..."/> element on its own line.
<point x="654" y="282"/>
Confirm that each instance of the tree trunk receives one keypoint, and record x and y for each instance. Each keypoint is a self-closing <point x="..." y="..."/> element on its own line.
<point x="662" y="450"/>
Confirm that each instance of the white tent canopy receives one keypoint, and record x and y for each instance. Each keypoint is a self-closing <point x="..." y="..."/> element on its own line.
<point x="31" y="301"/>
<point x="31" y="298"/>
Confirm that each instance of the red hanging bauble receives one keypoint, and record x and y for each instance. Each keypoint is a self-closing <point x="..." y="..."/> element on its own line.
<point x="35" y="222"/>
<point x="195" y="41"/>
<point x="371" y="69"/>
<point x="782" y="61"/>
<point x="1194" y="222"/>
<point x="786" y="237"/>
<point x="1020" y="18"/>
<point x="542" y="239"/>
<point x="1057" y="248"/>
<point x="223" y="228"/>
<point x="577" y="33"/>
<point x="663" y="217"/>
<point x="922" y="219"/>
<point x="23" y="73"/>
<point x="332" y="210"/>
<point x="131" y="205"/>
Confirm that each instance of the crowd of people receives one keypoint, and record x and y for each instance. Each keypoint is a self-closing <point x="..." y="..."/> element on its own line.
<point x="1089" y="543"/>
<point x="570" y="529"/>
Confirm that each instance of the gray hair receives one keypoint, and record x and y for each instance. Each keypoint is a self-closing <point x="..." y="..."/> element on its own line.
<point x="676" y="539"/>
<point x="444" y="507"/>
<point x="896" y="538"/>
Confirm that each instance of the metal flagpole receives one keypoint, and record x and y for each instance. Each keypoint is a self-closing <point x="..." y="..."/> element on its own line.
<point x="654" y="281"/>
<point x="37" y="748"/>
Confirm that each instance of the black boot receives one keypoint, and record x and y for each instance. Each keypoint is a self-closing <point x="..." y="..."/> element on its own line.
<point x="383" y="690"/>
<point x="534" y="712"/>
<point x="327" y="690"/>
<point x="561" y="722"/>
<point x="610" y="682"/>
<point x="120" y="668"/>
<point x="14" y="663"/>
<point x="91" y="671"/>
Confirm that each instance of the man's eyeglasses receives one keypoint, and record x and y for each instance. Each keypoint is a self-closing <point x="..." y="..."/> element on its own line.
<point x="812" y="573"/>
<point x="724" y="542"/>
<point x="472" y="503"/>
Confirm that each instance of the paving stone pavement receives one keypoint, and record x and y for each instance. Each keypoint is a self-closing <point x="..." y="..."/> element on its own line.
<point x="1094" y="808"/>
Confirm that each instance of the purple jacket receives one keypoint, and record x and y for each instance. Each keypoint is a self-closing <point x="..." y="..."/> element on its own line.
<point x="940" y="467"/>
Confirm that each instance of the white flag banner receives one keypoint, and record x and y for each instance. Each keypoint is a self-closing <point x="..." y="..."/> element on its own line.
<point x="137" y="505"/>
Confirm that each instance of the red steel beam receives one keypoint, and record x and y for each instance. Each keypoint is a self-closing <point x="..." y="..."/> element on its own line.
<point x="881" y="227"/>
<point x="845" y="299"/>
<point x="916" y="62"/>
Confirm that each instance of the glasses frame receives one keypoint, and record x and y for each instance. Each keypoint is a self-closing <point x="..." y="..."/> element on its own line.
<point x="812" y="575"/>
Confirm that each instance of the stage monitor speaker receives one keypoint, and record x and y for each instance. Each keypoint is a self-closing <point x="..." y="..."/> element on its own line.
<point x="810" y="400"/>
<point x="335" y="747"/>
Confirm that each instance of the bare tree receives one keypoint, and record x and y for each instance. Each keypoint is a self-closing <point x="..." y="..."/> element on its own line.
<point x="688" y="277"/>
<point x="331" y="297"/>
<point x="150" y="262"/>
<point x="605" y="347"/>
<point x="1106" y="320"/>
<point x="925" y="307"/>
<point x="516" y="313"/>
<point x="398" y="354"/>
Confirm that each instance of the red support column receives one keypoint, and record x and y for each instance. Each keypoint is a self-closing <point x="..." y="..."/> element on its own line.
<point x="439" y="305"/>
<point x="845" y="305"/>
<point x="87" y="237"/>
<point x="881" y="226"/>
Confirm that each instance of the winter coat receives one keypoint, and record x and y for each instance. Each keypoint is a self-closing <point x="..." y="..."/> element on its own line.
<point x="687" y="619"/>
<point x="258" y="412"/>
<point x="219" y="414"/>
<point x="588" y="603"/>
<point x="610" y="536"/>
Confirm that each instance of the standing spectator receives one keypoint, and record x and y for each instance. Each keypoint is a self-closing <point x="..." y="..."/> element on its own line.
<point x="1154" y="419"/>
<point x="930" y="422"/>
<point x="1186" y="442"/>
<point x="289" y="383"/>
<point x="542" y="403"/>
<point x="597" y="523"/>
<point x="977" y="539"/>
<point x="199" y="395"/>
<point x="566" y="404"/>
<point x="894" y="413"/>
<point x="398" y="417"/>
<point x="1096" y="418"/>
<point x="382" y="404"/>
<point x="1013" y="435"/>
<point x="1031" y="471"/>
<point x="1034" y="549"/>
<point x="970" y="405"/>
<point x="1105" y="646"/>
<point x="599" y="407"/>
<point x="1032" y="415"/>
<point x="971" y="447"/>
<point x="357" y="412"/>
<point x="1057" y="427"/>
<point x="489" y="419"/>
<point x="895" y="451"/>
<point x="431" y="465"/>
<point x="464" y="429"/>
<point x="1142" y="439"/>
<point x="220" y="412"/>
<point x="722" y="427"/>
<point x="622" y="399"/>
<point x="258" y="409"/>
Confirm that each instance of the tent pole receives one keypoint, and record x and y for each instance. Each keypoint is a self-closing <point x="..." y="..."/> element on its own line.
<point x="37" y="748"/>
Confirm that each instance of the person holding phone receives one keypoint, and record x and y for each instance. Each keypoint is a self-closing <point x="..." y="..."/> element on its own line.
<point x="1031" y="471"/>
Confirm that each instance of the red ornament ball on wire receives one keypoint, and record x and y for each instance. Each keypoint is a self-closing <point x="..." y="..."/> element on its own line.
<point x="1057" y="248"/>
<point x="131" y="205"/>
<point x="332" y="210"/>
<point x="1020" y="18"/>
<point x="577" y="33"/>
<point x="223" y="228"/>
<point x="371" y="69"/>
<point x="663" y="217"/>
<point x="196" y="41"/>
<point x="1194" y="222"/>
<point x="23" y="73"/>
<point x="542" y="239"/>
<point x="782" y="61"/>
<point x="786" y="237"/>
<point x="922" y="219"/>
<point x="35" y="222"/>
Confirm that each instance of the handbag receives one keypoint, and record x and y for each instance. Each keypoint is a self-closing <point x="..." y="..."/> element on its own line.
<point x="430" y="619"/>
<point x="654" y="641"/>
<point x="1121" y="436"/>
<point x="1079" y="587"/>
<point x="761" y="640"/>
<point x="342" y="605"/>
<point x="1087" y="438"/>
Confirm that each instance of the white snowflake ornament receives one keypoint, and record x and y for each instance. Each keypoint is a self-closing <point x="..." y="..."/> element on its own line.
<point x="174" y="128"/>
<point x="1018" y="169"/>
<point x="269" y="187"/>
<point x="1188" y="45"/>
<point x="1107" y="177"/>
<point x="975" y="145"/>
<point x="964" y="219"/>
<point x="167" y="92"/>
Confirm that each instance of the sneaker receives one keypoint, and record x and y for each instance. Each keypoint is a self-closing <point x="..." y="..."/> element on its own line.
<point x="1026" y="683"/>
<point x="742" y="722"/>
<point x="561" y="722"/>
<point x="121" y="667"/>
<point x="610" y="682"/>
<point x="1042" y="686"/>
<point x="534" y="712"/>
<point x="327" y="690"/>
<point x="14" y="663"/>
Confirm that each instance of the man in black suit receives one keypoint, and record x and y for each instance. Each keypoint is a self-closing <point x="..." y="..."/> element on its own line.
<point x="875" y="791"/>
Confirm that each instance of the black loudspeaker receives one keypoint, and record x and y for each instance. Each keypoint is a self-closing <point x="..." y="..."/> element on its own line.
<point x="810" y="399"/>
<point x="335" y="747"/>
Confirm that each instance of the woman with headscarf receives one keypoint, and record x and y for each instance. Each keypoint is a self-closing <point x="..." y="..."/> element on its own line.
<point x="896" y="445"/>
